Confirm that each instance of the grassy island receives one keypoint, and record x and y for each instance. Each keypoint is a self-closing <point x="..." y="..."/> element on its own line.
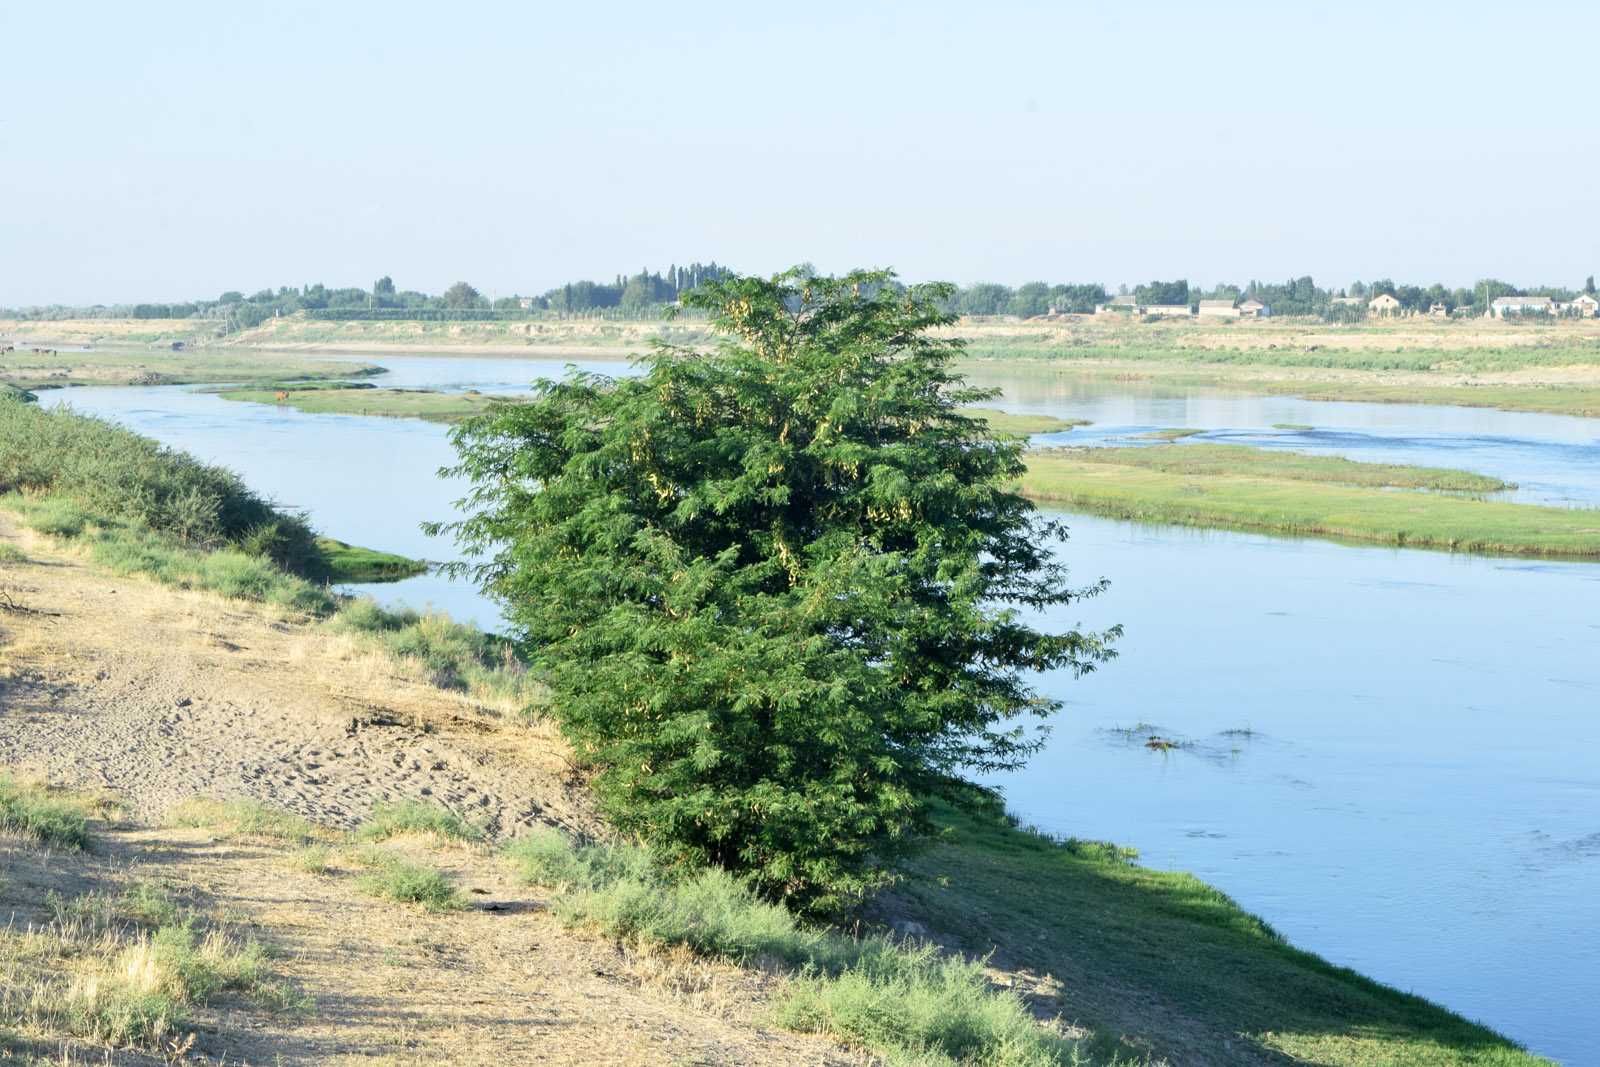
<point x="43" y="368"/>
<point x="345" y="398"/>
<point x="1008" y="422"/>
<point x="1237" y="487"/>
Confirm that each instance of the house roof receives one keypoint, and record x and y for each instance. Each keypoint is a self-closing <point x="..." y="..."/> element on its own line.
<point x="1521" y="301"/>
<point x="1216" y="303"/>
<point x="1384" y="296"/>
<point x="1251" y="304"/>
<point x="1586" y="298"/>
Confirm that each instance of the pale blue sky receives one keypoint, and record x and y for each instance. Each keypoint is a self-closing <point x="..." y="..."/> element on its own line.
<point x="175" y="150"/>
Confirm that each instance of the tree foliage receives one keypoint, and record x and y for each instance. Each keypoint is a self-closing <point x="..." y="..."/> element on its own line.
<point x="1166" y="293"/>
<point x="776" y="587"/>
<point x="461" y="295"/>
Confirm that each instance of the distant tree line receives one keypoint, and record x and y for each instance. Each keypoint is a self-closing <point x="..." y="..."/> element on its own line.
<point x="637" y="295"/>
<point x="641" y="295"/>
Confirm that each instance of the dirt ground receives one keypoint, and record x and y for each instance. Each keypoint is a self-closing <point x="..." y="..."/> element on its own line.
<point x="155" y="696"/>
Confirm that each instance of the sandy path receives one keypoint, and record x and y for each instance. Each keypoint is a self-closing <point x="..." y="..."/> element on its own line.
<point x="159" y="695"/>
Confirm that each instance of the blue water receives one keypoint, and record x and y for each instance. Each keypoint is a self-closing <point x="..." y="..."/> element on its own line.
<point x="1394" y="755"/>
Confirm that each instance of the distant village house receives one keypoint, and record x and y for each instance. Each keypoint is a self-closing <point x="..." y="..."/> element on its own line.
<point x="1254" y="309"/>
<point x="1383" y="305"/>
<point x="1522" y="305"/>
<point x="1219" y="308"/>
<point x="1126" y="303"/>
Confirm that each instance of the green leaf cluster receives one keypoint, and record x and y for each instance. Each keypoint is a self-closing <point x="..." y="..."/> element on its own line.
<point x="777" y="589"/>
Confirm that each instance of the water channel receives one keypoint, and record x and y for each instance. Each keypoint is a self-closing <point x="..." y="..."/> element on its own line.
<point x="1391" y="755"/>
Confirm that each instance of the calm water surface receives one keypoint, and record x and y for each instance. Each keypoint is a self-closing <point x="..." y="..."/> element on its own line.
<point x="1393" y="753"/>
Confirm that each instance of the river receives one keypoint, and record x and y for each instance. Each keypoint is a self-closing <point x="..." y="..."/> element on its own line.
<point x="1390" y="755"/>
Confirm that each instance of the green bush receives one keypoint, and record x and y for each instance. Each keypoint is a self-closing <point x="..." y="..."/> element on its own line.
<point x="234" y="574"/>
<point x="412" y="883"/>
<point x="60" y="519"/>
<point x="455" y="655"/>
<point x="101" y="469"/>
<point x="778" y="589"/>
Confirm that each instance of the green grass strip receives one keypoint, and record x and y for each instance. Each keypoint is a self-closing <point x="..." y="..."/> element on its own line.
<point x="1213" y="461"/>
<point x="1007" y="422"/>
<point x="428" y="404"/>
<point x="1170" y="963"/>
<point x="351" y="563"/>
<point x="904" y="1001"/>
<point x="1126" y="484"/>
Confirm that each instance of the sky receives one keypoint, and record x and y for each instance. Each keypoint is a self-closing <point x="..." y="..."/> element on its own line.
<point x="173" y="151"/>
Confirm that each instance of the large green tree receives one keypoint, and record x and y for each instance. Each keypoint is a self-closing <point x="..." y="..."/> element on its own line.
<point x="775" y="587"/>
<point x="461" y="295"/>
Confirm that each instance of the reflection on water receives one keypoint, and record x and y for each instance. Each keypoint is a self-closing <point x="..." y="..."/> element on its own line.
<point x="1388" y="754"/>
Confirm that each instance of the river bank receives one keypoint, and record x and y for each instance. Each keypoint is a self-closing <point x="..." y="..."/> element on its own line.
<point x="1549" y="366"/>
<point x="1205" y="485"/>
<point x="119" y="684"/>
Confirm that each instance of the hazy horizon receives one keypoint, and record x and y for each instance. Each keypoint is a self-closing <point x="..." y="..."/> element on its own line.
<point x="176" y="153"/>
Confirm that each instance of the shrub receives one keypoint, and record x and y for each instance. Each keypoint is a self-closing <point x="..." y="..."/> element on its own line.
<point x="776" y="588"/>
<point x="59" y="519"/>
<point x="412" y="883"/>
<point x="104" y="470"/>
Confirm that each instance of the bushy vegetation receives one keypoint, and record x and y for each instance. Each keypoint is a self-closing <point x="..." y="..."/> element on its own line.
<point x="903" y="1000"/>
<point x="771" y="588"/>
<point x="103" y="470"/>
<point x="455" y="656"/>
<point x="129" y="546"/>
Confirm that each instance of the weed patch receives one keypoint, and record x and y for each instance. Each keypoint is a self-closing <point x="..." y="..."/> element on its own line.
<point x="246" y="817"/>
<point x="408" y="883"/>
<point x="394" y="818"/>
<point x="47" y="815"/>
<point x="127" y="970"/>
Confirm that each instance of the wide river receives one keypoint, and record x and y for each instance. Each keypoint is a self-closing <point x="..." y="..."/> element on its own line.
<point x="1395" y="754"/>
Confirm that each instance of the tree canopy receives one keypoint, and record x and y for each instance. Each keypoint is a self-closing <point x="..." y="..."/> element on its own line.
<point x="776" y="588"/>
<point x="461" y="295"/>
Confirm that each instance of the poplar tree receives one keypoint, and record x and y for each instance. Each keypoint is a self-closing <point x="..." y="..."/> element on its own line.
<point x="782" y="592"/>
